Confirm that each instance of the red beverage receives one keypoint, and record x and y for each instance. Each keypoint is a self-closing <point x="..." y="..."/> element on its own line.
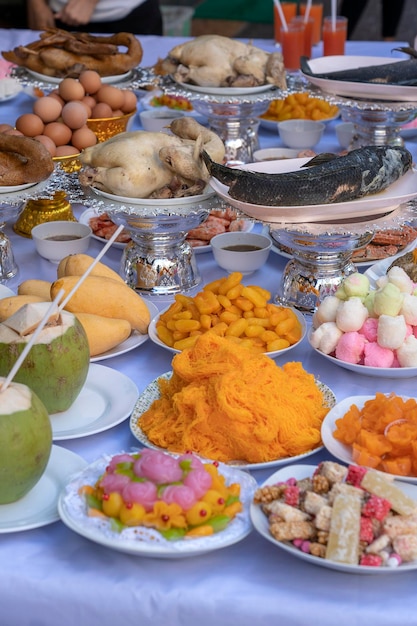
<point x="289" y="10"/>
<point x="307" y="27"/>
<point x="316" y="13"/>
<point x="334" y="35"/>
<point x="292" y="44"/>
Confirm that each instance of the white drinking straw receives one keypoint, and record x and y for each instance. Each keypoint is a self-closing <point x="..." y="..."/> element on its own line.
<point x="308" y="9"/>
<point x="32" y="340"/>
<point x="88" y="270"/>
<point x="334" y="10"/>
<point x="281" y="14"/>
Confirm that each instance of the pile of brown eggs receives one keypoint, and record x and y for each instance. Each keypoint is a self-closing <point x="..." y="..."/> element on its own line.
<point x="59" y="120"/>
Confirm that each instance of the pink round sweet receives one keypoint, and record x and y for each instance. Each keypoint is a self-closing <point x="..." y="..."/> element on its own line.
<point x="199" y="481"/>
<point x="144" y="493"/>
<point x="158" y="466"/>
<point x="369" y="329"/>
<point x="377" y="356"/>
<point x="350" y="347"/>
<point x="114" y="482"/>
<point x="119" y="458"/>
<point x="180" y="494"/>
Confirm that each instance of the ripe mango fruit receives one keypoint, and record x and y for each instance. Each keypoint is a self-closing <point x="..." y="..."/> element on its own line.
<point x="9" y="306"/>
<point x="103" y="333"/>
<point x="99" y="295"/>
<point x="35" y="287"/>
<point x="77" y="265"/>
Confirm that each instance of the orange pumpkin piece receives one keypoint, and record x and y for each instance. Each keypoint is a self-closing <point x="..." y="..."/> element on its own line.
<point x="349" y="426"/>
<point x="361" y="456"/>
<point x="400" y="465"/>
<point x="375" y="443"/>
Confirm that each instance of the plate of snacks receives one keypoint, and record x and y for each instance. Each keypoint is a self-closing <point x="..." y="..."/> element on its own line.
<point x="212" y="404"/>
<point x="367" y="330"/>
<point x="156" y="99"/>
<point x="171" y="496"/>
<point x="376" y="431"/>
<point x="406" y="259"/>
<point x="353" y="520"/>
<point x="298" y="106"/>
<point x="281" y="329"/>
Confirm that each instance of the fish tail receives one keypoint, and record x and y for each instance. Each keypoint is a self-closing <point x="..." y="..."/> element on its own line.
<point x="225" y="175"/>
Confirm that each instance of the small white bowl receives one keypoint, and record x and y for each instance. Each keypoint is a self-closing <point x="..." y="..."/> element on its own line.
<point x="241" y="252"/>
<point x="344" y="133"/>
<point x="56" y="240"/>
<point x="274" y="154"/>
<point x="300" y="134"/>
<point x="156" y="120"/>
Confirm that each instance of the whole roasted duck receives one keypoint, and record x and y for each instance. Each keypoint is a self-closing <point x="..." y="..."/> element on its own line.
<point x="396" y="73"/>
<point x="325" y="179"/>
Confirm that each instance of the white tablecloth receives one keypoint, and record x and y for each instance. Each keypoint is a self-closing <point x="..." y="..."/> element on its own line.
<point x="51" y="576"/>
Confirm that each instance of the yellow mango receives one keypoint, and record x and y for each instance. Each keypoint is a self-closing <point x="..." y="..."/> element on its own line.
<point x="104" y="296"/>
<point x="103" y="333"/>
<point x="9" y="306"/>
<point x="35" y="287"/>
<point x="77" y="265"/>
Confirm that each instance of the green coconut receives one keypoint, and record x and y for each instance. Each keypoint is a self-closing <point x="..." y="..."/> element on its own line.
<point x="25" y="441"/>
<point x="56" y="366"/>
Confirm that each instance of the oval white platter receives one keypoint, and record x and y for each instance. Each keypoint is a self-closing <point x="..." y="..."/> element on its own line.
<point x="146" y="103"/>
<point x="117" y="78"/>
<point x="272" y="125"/>
<point x="107" y="399"/>
<point x="380" y="268"/>
<point x="155" y="202"/>
<point x="397" y="193"/>
<point x="366" y="370"/>
<point x="140" y="541"/>
<point x="337" y="448"/>
<point x="39" y="506"/>
<point x="153" y="335"/>
<point x="260" y="523"/>
<point x="13" y="188"/>
<point x="133" y="341"/>
<point x="151" y="393"/>
<point x="227" y="91"/>
<point x="375" y="91"/>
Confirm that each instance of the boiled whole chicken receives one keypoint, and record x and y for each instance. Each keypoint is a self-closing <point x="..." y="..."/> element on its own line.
<point x="143" y="164"/>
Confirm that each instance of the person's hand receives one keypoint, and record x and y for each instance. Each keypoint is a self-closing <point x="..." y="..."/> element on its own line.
<point x="39" y="15"/>
<point x="76" y="12"/>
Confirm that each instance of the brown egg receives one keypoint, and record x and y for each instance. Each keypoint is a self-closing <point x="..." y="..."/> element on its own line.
<point x="54" y="94"/>
<point x="4" y="127"/>
<point x="48" y="143"/>
<point x="90" y="80"/>
<point x="83" y="138"/>
<point x="130" y="101"/>
<point x="101" y="110"/>
<point x="71" y="89"/>
<point x="112" y="96"/>
<point x="48" y="108"/>
<point x="74" y="114"/>
<point x="30" y="124"/>
<point x="90" y="103"/>
<point x="58" y="132"/>
<point x="118" y="113"/>
<point x="66" y="150"/>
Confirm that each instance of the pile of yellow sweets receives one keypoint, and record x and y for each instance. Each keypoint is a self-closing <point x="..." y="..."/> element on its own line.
<point x="300" y="106"/>
<point x="232" y="310"/>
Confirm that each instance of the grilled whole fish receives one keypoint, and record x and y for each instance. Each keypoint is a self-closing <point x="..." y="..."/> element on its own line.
<point x="325" y="179"/>
<point x="396" y="73"/>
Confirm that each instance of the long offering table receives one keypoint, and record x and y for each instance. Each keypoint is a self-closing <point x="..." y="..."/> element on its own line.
<point x="51" y="576"/>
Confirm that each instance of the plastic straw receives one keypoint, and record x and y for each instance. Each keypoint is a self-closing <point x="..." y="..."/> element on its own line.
<point x="88" y="270"/>
<point x="334" y="11"/>
<point x="308" y="9"/>
<point x="32" y="340"/>
<point x="281" y="14"/>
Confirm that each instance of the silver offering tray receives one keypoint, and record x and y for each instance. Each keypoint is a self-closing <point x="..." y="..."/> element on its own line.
<point x="158" y="261"/>
<point x="322" y="253"/>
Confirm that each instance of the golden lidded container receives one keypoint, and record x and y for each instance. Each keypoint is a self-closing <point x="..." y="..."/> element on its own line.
<point x="40" y="210"/>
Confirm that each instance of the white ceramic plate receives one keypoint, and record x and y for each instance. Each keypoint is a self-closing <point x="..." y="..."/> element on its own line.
<point x="154" y="202"/>
<point x="145" y="542"/>
<point x="271" y="125"/>
<point x="39" y="506"/>
<point x="85" y="219"/>
<point x="117" y="78"/>
<point x="227" y="91"/>
<point x="298" y="472"/>
<point x="337" y="448"/>
<point x="107" y="399"/>
<point x="379" y="269"/>
<point x="366" y="370"/>
<point x="397" y="193"/>
<point x="375" y="91"/>
<point x="13" y="188"/>
<point x="151" y="393"/>
<point x="134" y="341"/>
<point x="150" y="95"/>
<point x="154" y="336"/>
<point x="9" y="89"/>
<point x="247" y="226"/>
